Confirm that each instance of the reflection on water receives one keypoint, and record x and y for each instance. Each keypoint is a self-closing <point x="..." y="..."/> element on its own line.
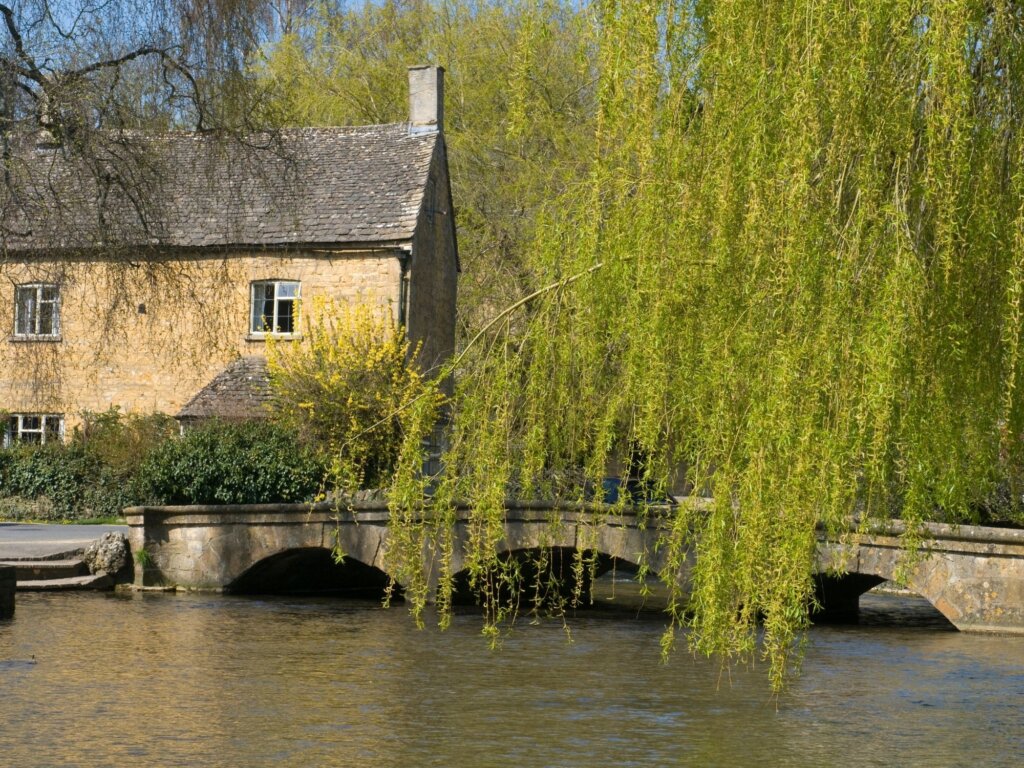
<point x="205" y="680"/>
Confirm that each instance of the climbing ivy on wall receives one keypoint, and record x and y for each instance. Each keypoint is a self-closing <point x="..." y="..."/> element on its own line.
<point x="794" y="270"/>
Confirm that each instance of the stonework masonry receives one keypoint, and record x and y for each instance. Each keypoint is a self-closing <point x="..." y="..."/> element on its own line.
<point x="973" y="575"/>
<point x="147" y="336"/>
<point x="434" y="271"/>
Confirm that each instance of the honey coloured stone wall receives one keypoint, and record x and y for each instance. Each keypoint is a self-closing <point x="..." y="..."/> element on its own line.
<point x="147" y="335"/>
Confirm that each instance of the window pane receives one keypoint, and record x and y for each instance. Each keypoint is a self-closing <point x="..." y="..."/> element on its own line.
<point x="47" y="315"/>
<point x="288" y="290"/>
<point x="25" y="300"/>
<point x="48" y="322"/>
<point x="286" y="316"/>
<point x="52" y="428"/>
<point x="31" y="422"/>
<point x="267" y="315"/>
<point x="255" y="326"/>
<point x="262" y="307"/>
<point x="32" y="438"/>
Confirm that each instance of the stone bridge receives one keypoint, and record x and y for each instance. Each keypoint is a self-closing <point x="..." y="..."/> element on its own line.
<point x="973" y="575"/>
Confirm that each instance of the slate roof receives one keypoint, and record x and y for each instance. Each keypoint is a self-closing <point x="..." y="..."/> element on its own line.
<point x="238" y="393"/>
<point x="188" y="190"/>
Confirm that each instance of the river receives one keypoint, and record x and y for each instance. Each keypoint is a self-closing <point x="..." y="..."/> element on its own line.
<point x="202" y="680"/>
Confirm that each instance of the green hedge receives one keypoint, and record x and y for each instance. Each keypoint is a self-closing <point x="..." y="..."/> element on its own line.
<point x="222" y="463"/>
<point x="58" y="474"/>
<point x="95" y="474"/>
<point x="118" y="461"/>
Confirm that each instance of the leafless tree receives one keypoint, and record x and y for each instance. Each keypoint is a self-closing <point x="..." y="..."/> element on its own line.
<point x="86" y="89"/>
<point x="68" y="66"/>
<point x="84" y="77"/>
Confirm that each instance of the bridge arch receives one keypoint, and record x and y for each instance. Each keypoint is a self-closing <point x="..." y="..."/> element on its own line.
<point x="877" y="561"/>
<point x="545" y="574"/>
<point x="311" y="570"/>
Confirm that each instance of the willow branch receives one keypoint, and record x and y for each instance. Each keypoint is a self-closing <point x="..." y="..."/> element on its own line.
<point x="145" y="50"/>
<point x="450" y="367"/>
<point x="519" y="304"/>
<point x="32" y="70"/>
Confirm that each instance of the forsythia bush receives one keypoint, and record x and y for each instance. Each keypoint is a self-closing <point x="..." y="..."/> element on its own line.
<point x="344" y="387"/>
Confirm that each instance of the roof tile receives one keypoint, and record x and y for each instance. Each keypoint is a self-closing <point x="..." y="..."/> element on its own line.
<point x="239" y="392"/>
<point x="309" y="185"/>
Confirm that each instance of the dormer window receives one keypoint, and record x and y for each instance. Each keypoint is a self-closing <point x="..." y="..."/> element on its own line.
<point x="37" y="310"/>
<point x="275" y="305"/>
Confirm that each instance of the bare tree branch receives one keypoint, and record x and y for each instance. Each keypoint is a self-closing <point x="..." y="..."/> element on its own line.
<point x="31" y="70"/>
<point x="145" y="50"/>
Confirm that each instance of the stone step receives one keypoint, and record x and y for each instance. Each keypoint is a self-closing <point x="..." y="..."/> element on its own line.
<point x="96" y="581"/>
<point x="39" y="570"/>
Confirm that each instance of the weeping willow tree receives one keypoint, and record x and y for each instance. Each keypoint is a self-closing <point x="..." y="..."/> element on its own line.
<point x="794" y="270"/>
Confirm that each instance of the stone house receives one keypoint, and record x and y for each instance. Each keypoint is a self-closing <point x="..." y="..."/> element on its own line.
<point x="154" y="281"/>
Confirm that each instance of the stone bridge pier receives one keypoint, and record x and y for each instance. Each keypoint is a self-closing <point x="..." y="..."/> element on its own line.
<point x="974" y="576"/>
<point x="7" y="587"/>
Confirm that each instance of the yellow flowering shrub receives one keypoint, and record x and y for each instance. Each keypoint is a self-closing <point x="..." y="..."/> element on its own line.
<point x="343" y="388"/>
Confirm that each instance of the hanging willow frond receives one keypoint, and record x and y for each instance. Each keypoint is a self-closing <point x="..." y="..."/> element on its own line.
<point x="809" y="218"/>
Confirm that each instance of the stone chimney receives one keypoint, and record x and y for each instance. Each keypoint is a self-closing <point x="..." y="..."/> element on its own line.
<point x="426" y="99"/>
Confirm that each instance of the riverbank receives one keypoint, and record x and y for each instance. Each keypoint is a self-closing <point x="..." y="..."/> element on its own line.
<point x="48" y="557"/>
<point x="49" y="541"/>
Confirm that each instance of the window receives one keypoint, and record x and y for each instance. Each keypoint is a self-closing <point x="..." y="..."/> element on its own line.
<point x="34" y="428"/>
<point x="274" y="306"/>
<point x="37" y="310"/>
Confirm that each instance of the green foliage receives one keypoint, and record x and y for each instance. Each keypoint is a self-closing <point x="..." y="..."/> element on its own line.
<point x="123" y="440"/>
<point x="117" y="460"/>
<point x="143" y="558"/>
<point x="118" y="445"/>
<point x="519" y="109"/>
<point x="45" y="482"/>
<point x="343" y="390"/>
<point x="227" y="463"/>
<point x="793" y="273"/>
<point x="95" y="474"/>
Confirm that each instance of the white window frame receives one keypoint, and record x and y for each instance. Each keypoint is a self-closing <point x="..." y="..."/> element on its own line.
<point x="34" y="314"/>
<point x="260" y="329"/>
<point x="17" y="428"/>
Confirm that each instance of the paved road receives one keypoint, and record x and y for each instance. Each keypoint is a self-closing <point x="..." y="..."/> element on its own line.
<point x="26" y="541"/>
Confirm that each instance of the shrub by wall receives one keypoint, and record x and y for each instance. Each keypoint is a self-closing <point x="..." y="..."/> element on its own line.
<point x="226" y="463"/>
<point x="46" y="482"/>
<point x="95" y="474"/>
<point x="117" y="446"/>
<point x="345" y="390"/>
